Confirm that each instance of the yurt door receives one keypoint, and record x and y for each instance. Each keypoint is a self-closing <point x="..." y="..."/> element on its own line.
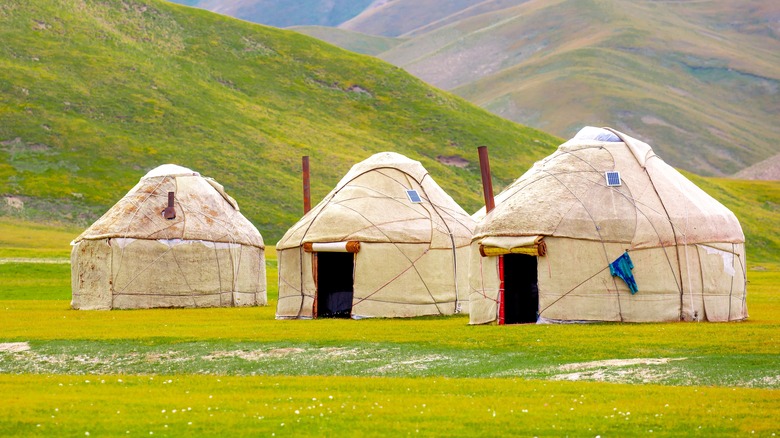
<point x="335" y="284"/>
<point x="520" y="303"/>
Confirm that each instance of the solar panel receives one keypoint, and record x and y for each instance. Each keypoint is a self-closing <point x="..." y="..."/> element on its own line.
<point x="414" y="196"/>
<point x="613" y="178"/>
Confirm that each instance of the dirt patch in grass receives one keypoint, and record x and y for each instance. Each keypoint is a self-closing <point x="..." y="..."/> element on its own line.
<point x="638" y="370"/>
<point x="416" y="363"/>
<point x="253" y="355"/>
<point x="14" y="347"/>
<point x="613" y="363"/>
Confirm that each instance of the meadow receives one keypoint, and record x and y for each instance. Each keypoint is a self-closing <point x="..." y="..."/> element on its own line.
<point x="238" y="371"/>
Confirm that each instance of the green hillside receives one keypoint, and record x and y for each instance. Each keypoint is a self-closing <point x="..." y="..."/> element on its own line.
<point x="94" y="94"/>
<point x="757" y="206"/>
<point x="699" y="80"/>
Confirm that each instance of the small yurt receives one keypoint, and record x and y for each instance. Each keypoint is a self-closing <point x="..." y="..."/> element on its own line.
<point x="386" y="242"/>
<point x="175" y="240"/>
<point x="604" y="230"/>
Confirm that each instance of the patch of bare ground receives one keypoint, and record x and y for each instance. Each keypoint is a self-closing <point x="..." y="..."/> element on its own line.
<point x="616" y="363"/>
<point x="253" y="355"/>
<point x="418" y="363"/>
<point x="765" y="382"/>
<point x="14" y="347"/>
<point x="616" y="370"/>
<point x="453" y="160"/>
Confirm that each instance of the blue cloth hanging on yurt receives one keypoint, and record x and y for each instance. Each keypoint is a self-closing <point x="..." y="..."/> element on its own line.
<point x="622" y="267"/>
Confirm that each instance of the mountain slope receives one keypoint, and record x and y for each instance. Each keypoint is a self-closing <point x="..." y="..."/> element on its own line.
<point x="767" y="170"/>
<point x="701" y="80"/>
<point x="352" y="41"/>
<point x="282" y="13"/>
<point x="400" y="17"/>
<point x="93" y="94"/>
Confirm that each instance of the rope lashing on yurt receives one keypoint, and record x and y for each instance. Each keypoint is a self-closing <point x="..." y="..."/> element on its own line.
<point x="228" y="237"/>
<point x="573" y="289"/>
<point x="593" y="194"/>
<point x="174" y="240"/>
<point x="642" y="163"/>
<point x="412" y="263"/>
<point x="676" y="241"/>
<point x="626" y="196"/>
<point x="323" y="203"/>
<point x="427" y="210"/>
<point x="138" y="208"/>
<point x="452" y="245"/>
<point x="595" y="226"/>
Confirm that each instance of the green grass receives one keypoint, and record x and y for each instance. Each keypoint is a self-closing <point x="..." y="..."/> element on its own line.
<point x="35" y="281"/>
<point x="24" y="239"/>
<point x="98" y="92"/>
<point x="315" y="406"/>
<point x="757" y="206"/>
<point x="207" y="371"/>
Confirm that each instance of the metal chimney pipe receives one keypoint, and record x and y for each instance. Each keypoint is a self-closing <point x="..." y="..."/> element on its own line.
<point x="169" y="212"/>
<point x="487" y="180"/>
<point x="306" y="185"/>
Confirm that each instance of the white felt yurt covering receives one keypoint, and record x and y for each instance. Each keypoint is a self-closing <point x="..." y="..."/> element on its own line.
<point x="403" y="258"/>
<point x="688" y="250"/>
<point x="132" y="257"/>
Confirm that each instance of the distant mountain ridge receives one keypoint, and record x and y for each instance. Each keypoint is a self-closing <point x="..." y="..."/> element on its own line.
<point x="701" y="80"/>
<point x="285" y="13"/>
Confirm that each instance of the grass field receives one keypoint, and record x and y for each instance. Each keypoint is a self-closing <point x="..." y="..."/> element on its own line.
<point x="240" y="372"/>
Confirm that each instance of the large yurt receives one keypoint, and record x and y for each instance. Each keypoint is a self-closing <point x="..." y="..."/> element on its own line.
<point x="604" y="230"/>
<point x="387" y="241"/>
<point x="175" y="240"/>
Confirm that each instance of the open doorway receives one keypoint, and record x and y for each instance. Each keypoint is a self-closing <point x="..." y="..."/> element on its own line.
<point x="521" y="290"/>
<point x="335" y="284"/>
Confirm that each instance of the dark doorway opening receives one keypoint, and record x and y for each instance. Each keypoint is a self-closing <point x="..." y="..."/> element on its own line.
<point x="335" y="284"/>
<point x="521" y="290"/>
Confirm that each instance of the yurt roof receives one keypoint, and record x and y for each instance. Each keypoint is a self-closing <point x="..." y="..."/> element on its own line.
<point x="567" y="195"/>
<point x="371" y="204"/>
<point x="203" y="211"/>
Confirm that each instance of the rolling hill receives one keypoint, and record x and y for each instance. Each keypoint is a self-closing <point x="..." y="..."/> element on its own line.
<point x="93" y="94"/>
<point x="281" y="13"/>
<point x="701" y="80"/>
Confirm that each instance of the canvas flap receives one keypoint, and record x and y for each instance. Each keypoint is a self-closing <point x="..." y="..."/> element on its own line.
<point x="509" y="242"/>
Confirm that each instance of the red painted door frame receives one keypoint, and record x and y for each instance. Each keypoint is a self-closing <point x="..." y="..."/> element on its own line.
<point x="501" y="290"/>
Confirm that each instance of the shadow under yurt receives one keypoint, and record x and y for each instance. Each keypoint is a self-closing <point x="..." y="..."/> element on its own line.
<point x="604" y="230"/>
<point x="175" y="240"/>
<point x="387" y="241"/>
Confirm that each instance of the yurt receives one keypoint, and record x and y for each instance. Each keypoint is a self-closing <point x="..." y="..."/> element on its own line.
<point x="604" y="230"/>
<point x="175" y="240"/>
<point x="386" y="242"/>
